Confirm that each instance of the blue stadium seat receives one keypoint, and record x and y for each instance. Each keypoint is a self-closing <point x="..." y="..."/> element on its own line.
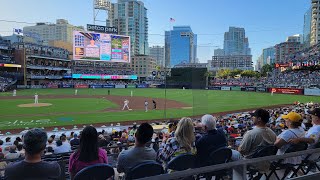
<point x="145" y="169"/>
<point x="95" y="172"/>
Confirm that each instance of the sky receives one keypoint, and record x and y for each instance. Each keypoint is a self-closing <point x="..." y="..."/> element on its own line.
<point x="267" y="22"/>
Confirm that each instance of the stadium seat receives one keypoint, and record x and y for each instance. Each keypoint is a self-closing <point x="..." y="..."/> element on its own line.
<point x="278" y="165"/>
<point x="95" y="172"/>
<point x="182" y="162"/>
<point x="145" y="169"/>
<point x="309" y="162"/>
<point x="262" y="152"/>
<point x="219" y="156"/>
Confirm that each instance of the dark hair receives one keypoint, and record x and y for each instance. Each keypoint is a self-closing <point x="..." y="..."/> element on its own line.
<point x="8" y="139"/>
<point x="59" y="143"/>
<point x="88" y="149"/>
<point x="15" y="142"/>
<point x="1" y="142"/>
<point x="19" y="139"/>
<point x="63" y="138"/>
<point x="1" y="155"/>
<point x="144" y="133"/>
<point x="296" y="124"/>
<point x="50" y="149"/>
<point x="35" y="141"/>
<point x="53" y="136"/>
<point x="50" y="140"/>
<point x="19" y="147"/>
<point x="263" y="114"/>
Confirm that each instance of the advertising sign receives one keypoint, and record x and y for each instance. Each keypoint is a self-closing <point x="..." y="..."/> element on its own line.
<point x="52" y="86"/>
<point x="66" y="86"/>
<point x="102" y="29"/>
<point x="286" y="90"/>
<point x="103" y="76"/>
<point x="131" y="86"/>
<point x="142" y="86"/>
<point x="81" y="86"/>
<point x="250" y="88"/>
<point x="225" y="88"/>
<point x="108" y="86"/>
<point x="101" y="47"/>
<point x="95" y="86"/>
<point x="215" y="88"/>
<point x="120" y="86"/>
<point x="312" y="92"/>
<point x="236" y="88"/>
<point x="261" y="89"/>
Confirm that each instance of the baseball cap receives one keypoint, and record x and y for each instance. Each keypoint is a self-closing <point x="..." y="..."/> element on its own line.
<point x="263" y="114"/>
<point x="292" y="116"/>
<point x="315" y="112"/>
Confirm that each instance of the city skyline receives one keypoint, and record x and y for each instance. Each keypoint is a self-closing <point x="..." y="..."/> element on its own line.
<point x="265" y="23"/>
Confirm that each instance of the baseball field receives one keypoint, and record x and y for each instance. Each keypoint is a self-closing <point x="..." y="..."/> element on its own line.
<point x="62" y="108"/>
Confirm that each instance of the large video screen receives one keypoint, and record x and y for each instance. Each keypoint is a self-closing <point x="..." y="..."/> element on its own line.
<point x="100" y="46"/>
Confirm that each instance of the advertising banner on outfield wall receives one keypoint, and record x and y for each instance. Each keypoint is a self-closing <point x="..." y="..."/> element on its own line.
<point x="143" y="86"/>
<point x="120" y="86"/>
<point x="225" y="88"/>
<point x="261" y="89"/>
<point x="66" y="86"/>
<point x="235" y="88"/>
<point x="312" y="92"/>
<point x="286" y="90"/>
<point x="108" y="86"/>
<point x="131" y="86"/>
<point x="95" y="86"/>
<point x="23" y="87"/>
<point x="81" y="86"/>
<point x="250" y="88"/>
<point x="51" y="86"/>
<point x="37" y="87"/>
<point x="214" y="88"/>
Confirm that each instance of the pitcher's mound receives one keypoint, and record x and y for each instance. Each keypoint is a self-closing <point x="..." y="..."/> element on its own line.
<point x="35" y="105"/>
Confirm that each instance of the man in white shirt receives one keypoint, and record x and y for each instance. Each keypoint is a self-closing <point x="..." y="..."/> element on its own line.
<point x="61" y="148"/>
<point x="36" y="98"/>
<point x="126" y="103"/>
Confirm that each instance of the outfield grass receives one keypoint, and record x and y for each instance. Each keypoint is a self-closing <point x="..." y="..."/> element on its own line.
<point x="203" y="101"/>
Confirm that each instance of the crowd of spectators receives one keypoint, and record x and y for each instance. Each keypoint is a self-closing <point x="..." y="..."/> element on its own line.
<point x="244" y="133"/>
<point x="293" y="79"/>
<point x="103" y="71"/>
<point x="4" y="82"/>
<point x="88" y="82"/>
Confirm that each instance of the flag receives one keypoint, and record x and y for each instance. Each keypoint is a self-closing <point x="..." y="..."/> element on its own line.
<point x="172" y="20"/>
<point x="17" y="31"/>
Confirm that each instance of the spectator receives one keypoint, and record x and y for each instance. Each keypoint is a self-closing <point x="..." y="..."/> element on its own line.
<point x="75" y="140"/>
<point x="21" y="150"/>
<point x="3" y="164"/>
<point x="61" y="148"/>
<point x="209" y="142"/>
<point x="102" y="141"/>
<point x="1" y="146"/>
<point x="132" y="132"/>
<point x="12" y="154"/>
<point x="181" y="143"/>
<point x="88" y="153"/>
<point x="32" y="167"/>
<point x="8" y="142"/>
<point x="255" y="139"/>
<point x="50" y="143"/>
<point x="129" y="158"/>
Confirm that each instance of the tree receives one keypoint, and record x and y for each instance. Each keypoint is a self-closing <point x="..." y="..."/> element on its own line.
<point x="250" y="73"/>
<point x="265" y="69"/>
<point x="235" y="72"/>
<point x="224" y="73"/>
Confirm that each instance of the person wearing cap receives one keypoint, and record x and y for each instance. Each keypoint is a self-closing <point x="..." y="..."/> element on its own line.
<point x="293" y="121"/>
<point x="255" y="139"/>
<point x="75" y="141"/>
<point x="312" y="137"/>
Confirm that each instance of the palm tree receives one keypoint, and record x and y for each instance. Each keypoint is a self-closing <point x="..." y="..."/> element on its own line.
<point x="208" y="74"/>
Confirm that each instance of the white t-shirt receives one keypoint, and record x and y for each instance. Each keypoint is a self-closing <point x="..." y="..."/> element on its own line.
<point x="286" y="136"/>
<point x="146" y="103"/>
<point x="314" y="133"/>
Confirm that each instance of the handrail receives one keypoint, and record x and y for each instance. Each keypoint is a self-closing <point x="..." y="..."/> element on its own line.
<point x="244" y="162"/>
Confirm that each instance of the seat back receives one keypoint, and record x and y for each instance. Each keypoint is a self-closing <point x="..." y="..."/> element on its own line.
<point x="297" y="147"/>
<point x="97" y="171"/>
<point x="182" y="162"/>
<point x="145" y="169"/>
<point x="265" y="151"/>
<point x="219" y="156"/>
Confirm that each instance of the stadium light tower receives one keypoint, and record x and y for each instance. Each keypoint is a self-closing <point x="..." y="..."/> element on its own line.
<point x="100" y="5"/>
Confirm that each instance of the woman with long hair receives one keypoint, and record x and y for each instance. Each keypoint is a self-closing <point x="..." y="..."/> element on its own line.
<point x="181" y="143"/>
<point x="88" y="153"/>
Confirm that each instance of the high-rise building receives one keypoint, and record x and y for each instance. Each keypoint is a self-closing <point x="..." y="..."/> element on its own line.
<point x="259" y="63"/>
<point x="219" y="52"/>
<point x="243" y="62"/>
<point x="268" y="55"/>
<point x="315" y="20"/>
<point x="143" y="66"/>
<point x="180" y="46"/>
<point x="236" y="42"/>
<point x="157" y="52"/>
<point x="61" y="31"/>
<point x="295" y="38"/>
<point x="130" y="17"/>
<point x="285" y="49"/>
<point x="307" y="28"/>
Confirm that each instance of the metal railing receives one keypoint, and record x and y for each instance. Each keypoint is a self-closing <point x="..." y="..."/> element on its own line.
<point x="241" y="163"/>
